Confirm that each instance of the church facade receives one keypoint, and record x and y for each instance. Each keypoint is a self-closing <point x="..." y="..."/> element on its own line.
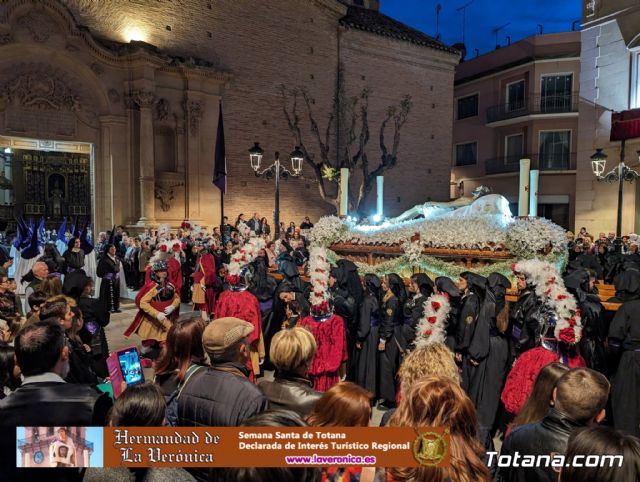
<point x="109" y="109"/>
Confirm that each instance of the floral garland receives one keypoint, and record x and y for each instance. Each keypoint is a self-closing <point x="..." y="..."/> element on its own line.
<point x="434" y="267"/>
<point x="432" y="325"/>
<point x="319" y="273"/>
<point x="523" y="237"/>
<point x="550" y="288"/>
<point x="245" y="255"/>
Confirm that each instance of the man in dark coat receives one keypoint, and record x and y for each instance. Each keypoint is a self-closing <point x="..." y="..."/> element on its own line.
<point x="579" y="400"/>
<point x="45" y="399"/>
<point x="221" y="395"/>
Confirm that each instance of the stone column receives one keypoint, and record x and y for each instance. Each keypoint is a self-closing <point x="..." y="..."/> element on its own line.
<point x="194" y="110"/>
<point x="145" y="100"/>
<point x="9" y="175"/>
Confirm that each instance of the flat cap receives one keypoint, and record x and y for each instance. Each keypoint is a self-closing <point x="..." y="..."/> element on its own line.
<point x="223" y="333"/>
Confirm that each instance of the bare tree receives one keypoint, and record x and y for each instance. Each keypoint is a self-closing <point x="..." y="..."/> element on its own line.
<point x="352" y="115"/>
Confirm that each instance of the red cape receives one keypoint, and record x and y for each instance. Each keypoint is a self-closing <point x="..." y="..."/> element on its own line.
<point x="140" y="315"/>
<point x="332" y="350"/>
<point x="524" y="373"/>
<point x="243" y="305"/>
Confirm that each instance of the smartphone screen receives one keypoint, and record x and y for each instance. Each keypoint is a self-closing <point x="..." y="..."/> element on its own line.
<point x="130" y="367"/>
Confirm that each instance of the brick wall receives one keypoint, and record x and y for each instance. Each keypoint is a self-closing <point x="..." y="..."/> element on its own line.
<point x="265" y="44"/>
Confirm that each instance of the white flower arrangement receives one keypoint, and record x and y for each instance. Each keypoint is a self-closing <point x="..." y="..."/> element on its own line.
<point x="163" y="231"/>
<point x="527" y="237"/>
<point x="244" y="230"/>
<point x="549" y="287"/>
<point x="245" y="255"/>
<point x="413" y="251"/>
<point x="328" y="230"/>
<point x="432" y="325"/>
<point x="319" y="270"/>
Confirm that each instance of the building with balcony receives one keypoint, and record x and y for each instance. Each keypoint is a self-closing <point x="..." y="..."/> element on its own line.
<point x="609" y="82"/>
<point x="520" y="101"/>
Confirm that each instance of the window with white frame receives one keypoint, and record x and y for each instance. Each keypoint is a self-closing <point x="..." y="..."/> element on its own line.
<point x="513" y="148"/>
<point x="555" y="149"/>
<point x="515" y="96"/>
<point x="555" y="93"/>
<point x="466" y="154"/>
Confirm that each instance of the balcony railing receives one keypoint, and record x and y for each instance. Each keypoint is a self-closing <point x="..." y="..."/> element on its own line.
<point x="538" y="104"/>
<point x="504" y="164"/>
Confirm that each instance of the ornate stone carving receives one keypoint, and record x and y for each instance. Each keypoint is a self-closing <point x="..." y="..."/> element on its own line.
<point x="143" y="98"/>
<point x="38" y="25"/>
<point x="40" y="90"/>
<point x="194" y="110"/>
<point x="162" y="110"/>
<point x="165" y="192"/>
<point x="114" y="96"/>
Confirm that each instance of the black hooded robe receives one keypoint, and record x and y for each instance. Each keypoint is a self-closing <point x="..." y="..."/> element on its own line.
<point x="368" y="335"/>
<point x="467" y="322"/>
<point x="392" y="320"/>
<point x="624" y="337"/>
<point x="490" y="350"/>
<point x="446" y="285"/>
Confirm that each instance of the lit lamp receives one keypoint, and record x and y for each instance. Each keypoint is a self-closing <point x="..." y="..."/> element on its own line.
<point x="296" y="160"/>
<point x="276" y="170"/>
<point x="618" y="174"/>
<point x="255" y="156"/>
<point x="598" y="162"/>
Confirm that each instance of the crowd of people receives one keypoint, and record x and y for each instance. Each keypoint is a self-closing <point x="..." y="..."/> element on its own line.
<point x="553" y="373"/>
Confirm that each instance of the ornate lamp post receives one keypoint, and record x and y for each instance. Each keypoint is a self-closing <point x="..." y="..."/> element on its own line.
<point x="618" y="174"/>
<point x="276" y="170"/>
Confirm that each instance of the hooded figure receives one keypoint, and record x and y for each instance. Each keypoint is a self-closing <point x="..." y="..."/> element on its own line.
<point x="488" y="362"/>
<point x="594" y="329"/>
<point x="367" y="336"/>
<point x="109" y="271"/>
<point x="624" y="342"/>
<point x="389" y="346"/>
<point x="447" y="286"/>
<point x="473" y="286"/>
<point x="421" y="289"/>
<point x="627" y="286"/>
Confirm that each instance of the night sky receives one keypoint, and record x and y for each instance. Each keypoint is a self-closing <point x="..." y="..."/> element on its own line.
<point x="483" y="16"/>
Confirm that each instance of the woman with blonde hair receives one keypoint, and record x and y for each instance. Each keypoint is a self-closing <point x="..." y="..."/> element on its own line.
<point x="291" y="353"/>
<point x="440" y="402"/>
<point x="427" y="360"/>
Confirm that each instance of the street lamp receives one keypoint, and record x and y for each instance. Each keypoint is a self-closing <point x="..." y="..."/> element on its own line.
<point x="618" y="174"/>
<point x="276" y="170"/>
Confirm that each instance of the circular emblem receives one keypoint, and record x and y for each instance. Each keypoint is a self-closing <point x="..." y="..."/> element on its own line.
<point x="429" y="448"/>
<point x="389" y="312"/>
<point x="469" y="319"/>
<point x="38" y="457"/>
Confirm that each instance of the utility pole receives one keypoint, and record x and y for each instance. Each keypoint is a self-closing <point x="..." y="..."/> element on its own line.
<point x="463" y="9"/>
